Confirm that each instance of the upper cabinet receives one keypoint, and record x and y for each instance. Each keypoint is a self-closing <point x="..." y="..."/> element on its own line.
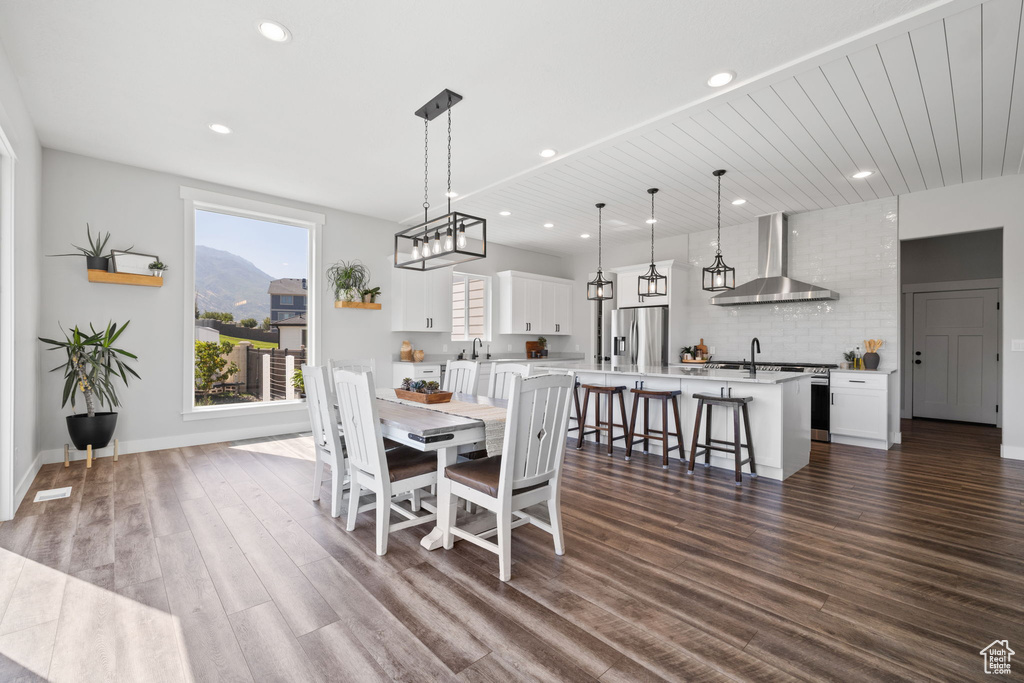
<point x="534" y="304"/>
<point x="421" y="301"/>
<point x="627" y="285"/>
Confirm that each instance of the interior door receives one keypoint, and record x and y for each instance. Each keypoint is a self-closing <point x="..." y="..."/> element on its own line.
<point x="955" y="344"/>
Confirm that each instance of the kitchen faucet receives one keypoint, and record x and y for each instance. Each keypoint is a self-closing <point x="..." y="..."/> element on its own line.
<point x="753" y="366"/>
<point x="475" y="354"/>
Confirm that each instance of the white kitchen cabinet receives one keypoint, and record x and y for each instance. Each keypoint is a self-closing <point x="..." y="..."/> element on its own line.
<point x="859" y="409"/>
<point x="627" y="293"/>
<point x="421" y="301"/>
<point x="534" y="304"/>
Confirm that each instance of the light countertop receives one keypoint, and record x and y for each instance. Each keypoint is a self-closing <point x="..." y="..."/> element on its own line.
<point x="879" y="371"/>
<point x="693" y="373"/>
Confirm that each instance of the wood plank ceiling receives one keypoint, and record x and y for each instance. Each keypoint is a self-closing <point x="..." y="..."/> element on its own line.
<point x="938" y="105"/>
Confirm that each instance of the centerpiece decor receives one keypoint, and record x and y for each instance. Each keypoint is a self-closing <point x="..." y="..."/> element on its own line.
<point x="422" y="392"/>
<point x="652" y="283"/>
<point x="93" y="366"/>
<point x="445" y="240"/>
<point x="718" y="276"/>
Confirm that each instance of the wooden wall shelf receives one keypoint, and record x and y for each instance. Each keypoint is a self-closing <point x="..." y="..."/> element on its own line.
<point x="356" y="304"/>
<point x="125" y="278"/>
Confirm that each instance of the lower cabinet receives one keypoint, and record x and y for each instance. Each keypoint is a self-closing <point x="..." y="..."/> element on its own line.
<point x="427" y="372"/>
<point x="859" y="409"/>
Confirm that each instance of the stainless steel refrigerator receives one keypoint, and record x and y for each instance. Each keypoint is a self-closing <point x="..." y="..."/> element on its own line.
<point x="640" y="336"/>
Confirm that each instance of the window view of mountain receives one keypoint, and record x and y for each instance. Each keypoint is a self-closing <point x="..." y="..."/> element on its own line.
<point x="229" y="283"/>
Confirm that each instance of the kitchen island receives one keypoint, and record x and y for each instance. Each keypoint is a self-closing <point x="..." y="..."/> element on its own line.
<point x="780" y="414"/>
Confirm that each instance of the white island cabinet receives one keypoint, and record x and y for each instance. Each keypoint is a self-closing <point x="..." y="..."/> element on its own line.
<point x="780" y="414"/>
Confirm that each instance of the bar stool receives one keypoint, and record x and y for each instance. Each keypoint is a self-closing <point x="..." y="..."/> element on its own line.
<point x="665" y="397"/>
<point x="737" y="404"/>
<point x="610" y="425"/>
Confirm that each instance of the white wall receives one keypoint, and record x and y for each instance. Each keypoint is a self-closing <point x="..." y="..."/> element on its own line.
<point x="143" y="208"/>
<point x="992" y="203"/>
<point x="20" y="132"/>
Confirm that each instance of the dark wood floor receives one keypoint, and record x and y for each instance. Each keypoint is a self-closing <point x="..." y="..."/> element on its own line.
<point x="211" y="563"/>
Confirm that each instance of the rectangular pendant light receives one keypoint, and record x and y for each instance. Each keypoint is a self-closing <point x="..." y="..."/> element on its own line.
<point x="468" y="242"/>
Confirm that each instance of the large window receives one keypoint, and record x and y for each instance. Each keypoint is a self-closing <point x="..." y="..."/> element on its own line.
<point x="250" y="260"/>
<point x="471" y="315"/>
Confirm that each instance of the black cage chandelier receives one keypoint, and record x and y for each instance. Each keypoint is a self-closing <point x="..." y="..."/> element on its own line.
<point x="719" y="277"/>
<point x="599" y="289"/>
<point x="652" y="283"/>
<point x="445" y="240"/>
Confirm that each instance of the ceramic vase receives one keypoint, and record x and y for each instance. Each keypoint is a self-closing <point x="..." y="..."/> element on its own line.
<point x="871" y="361"/>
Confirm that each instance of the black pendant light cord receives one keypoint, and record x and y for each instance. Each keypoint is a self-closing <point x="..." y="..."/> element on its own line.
<point x="426" y="174"/>
<point x="652" y="191"/>
<point x="718" y="242"/>
<point x="449" y="193"/>
<point x="600" y="208"/>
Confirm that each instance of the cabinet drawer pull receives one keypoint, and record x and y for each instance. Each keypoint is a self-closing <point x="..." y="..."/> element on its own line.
<point x="858" y="381"/>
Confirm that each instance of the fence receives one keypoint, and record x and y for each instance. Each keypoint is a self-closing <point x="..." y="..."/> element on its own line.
<point x="230" y="330"/>
<point x="268" y="372"/>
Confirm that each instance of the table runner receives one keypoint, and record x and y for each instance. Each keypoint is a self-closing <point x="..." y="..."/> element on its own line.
<point x="492" y="417"/>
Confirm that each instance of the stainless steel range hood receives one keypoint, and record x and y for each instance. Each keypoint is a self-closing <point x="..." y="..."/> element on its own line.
<point x="772" y="284"/>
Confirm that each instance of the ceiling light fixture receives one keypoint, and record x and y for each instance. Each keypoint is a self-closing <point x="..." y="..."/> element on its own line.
<point x="504" y="213"/>
<point x="220" y="128"/>
<point x="652" y="283"/>
<point x="720" y="79"/>
<point x="451" y="232"/>
<point x="585" y="235"/>
<point x="737" y="202"/>
<point x="271" y="30"/>
<point x="862" y="174"/>
<point x="549" y="225"/>
<point x="599" y="289"/>
<point x="718" y="276"/>
<point x="548" y="153"/>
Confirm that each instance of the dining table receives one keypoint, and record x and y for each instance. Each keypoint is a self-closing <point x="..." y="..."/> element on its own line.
<point x="429" y="429"/>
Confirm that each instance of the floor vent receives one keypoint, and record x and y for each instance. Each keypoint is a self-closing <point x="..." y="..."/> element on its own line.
<point x="53" y="494"/>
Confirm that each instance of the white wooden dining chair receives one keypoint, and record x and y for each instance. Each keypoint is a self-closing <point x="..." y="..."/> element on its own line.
<point x="500" y="383"/>
<point x="327" y="439"/>
<point x="527" y="473"/>
<point x="354" y="364"/>
<point x="460" y="376"/>
<point x="385" y="474"/>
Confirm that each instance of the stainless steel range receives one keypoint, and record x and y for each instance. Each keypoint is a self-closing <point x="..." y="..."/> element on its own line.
<point x="820" y="430"/>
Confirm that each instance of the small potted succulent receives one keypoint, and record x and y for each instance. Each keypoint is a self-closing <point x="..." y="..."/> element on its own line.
<point x="157" y="268"/>
<point x="431" y="387"/>
<point x="370" y="295"/>
<point x="543" y="346"/>
<point x="849" y="358"/>
<point x="686" y="353"/>
<point x="406" y="382"/>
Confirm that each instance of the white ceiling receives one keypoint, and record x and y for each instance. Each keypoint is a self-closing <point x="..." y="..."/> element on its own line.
<point x="327" y="117"/>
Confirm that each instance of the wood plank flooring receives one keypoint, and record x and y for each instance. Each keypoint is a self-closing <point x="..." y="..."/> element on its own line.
<point x="211" y="563"/>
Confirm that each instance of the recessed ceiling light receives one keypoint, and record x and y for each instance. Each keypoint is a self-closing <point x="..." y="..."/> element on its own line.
<point x="549" y="225"/>
<point x="861" y="174"/>
<point x="451" y="195"/>
<point x="273" y="31"/>
<point x="737" y="202"/>
<point x="548" y="153"/>
<point x="651" y="221"/>
<point x="724" y="78"/>
<point x="504" y="213"/>
<point x="220" y="128"/>
<point x="585" y="235"/>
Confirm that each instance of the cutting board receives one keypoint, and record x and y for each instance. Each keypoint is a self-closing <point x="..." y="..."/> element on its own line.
<point x="533" y="349"/>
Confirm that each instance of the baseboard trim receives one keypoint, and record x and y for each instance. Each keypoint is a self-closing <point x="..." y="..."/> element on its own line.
<point x="896" y="437"/>
<point x="26" y="481"/>
<point x="176" y="441"/>
<point x="1012" y="452"/>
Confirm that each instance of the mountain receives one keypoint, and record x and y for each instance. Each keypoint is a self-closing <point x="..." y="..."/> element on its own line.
<point x="229" y="283"/>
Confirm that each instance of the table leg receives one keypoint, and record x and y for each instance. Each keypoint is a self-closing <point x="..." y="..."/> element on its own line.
<point x="445" y="457"/>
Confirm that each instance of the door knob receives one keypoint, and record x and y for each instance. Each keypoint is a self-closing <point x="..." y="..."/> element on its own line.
<point x="917" y="362"/>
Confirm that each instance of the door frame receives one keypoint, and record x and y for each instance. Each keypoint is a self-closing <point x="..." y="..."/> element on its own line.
<point x="907" y="336"/>
<point x="7" y="280"/>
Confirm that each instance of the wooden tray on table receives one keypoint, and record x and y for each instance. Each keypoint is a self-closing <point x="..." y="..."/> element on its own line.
<point x="436" y="397"/>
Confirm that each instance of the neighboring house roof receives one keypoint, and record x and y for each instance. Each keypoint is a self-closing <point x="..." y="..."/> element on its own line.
<point x="288" y="285"/>
<point x="294" y="321"/>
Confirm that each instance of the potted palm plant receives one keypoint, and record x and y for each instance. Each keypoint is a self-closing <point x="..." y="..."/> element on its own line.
<point x="93" y="366"/>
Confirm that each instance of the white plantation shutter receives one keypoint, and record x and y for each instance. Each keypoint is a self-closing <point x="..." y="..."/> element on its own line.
<point x="470" y="317"/>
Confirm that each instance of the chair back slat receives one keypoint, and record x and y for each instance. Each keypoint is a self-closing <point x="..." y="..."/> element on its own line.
<point x="535" y="430"/>
<point x="357" y="404"/>
<point x="460" y="376"/>
<point x="320" y="402"/>
<point x="500" y="383"/>
<point x="354" y="364"/>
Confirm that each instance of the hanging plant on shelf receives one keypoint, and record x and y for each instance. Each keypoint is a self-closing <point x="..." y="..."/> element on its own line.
<point x="348" y="279"/>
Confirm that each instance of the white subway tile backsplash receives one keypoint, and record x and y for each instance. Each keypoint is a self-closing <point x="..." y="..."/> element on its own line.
<point x="849" y="249"/>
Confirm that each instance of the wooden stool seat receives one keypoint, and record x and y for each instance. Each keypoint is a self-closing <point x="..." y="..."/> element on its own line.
<point x="737" y="404"/>
<point x="609" y="426"/>
<point x="665" y="397"/>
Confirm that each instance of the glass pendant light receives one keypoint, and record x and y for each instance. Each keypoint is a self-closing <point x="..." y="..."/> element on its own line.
<point x="652" y="283"/>
<point x="718" y="276"/>
<point x="599" y="289"/>
<point x="413" y="248"/>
